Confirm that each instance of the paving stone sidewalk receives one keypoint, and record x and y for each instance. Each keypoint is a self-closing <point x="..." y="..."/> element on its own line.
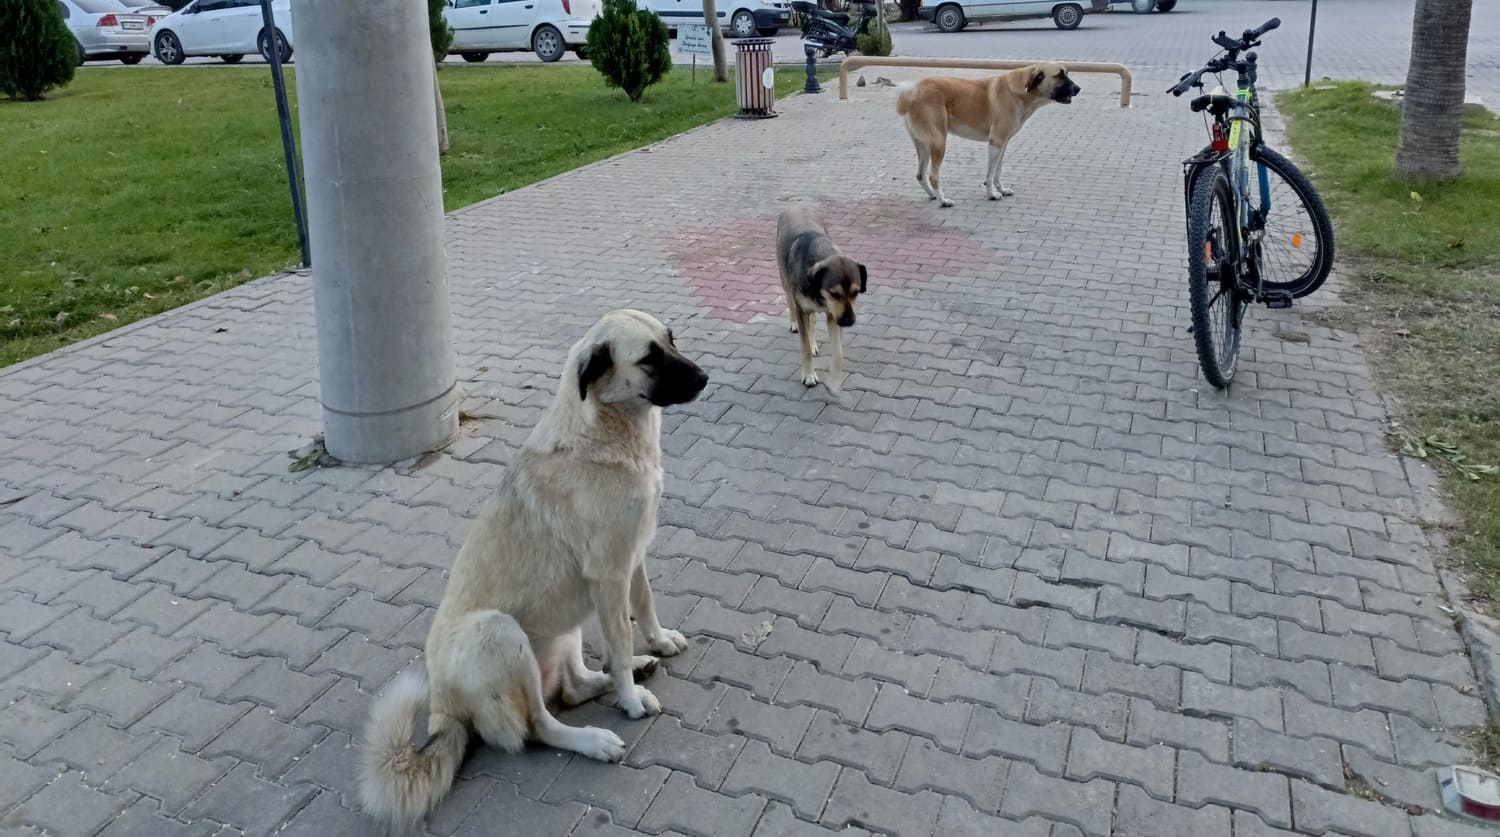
<point x="1025" y="575"/>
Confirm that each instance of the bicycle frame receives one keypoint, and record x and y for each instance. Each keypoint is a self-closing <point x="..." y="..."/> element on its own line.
<point x="1236" y="162"/>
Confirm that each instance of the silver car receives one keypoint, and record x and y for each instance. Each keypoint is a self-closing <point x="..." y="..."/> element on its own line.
<point x="104" y="29"/>
<point x="149" y="8"/>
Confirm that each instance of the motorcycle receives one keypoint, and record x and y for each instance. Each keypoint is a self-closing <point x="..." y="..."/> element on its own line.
<point x="830" y="32"/>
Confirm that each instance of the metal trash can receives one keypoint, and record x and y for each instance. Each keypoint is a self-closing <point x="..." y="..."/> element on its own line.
<point x="755" y="78"/>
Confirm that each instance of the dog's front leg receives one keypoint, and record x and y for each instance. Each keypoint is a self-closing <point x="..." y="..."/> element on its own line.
<point x="836" y="338"/>
<point x="612" y="599"/>
<point x="809" y="348"/>
<point x="660" y="640"/>
<point x="992" y="179"/>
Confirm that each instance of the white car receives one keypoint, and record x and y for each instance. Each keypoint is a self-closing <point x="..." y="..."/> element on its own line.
<point x="105" y="29"/>
<point x="227" y="28"/>
<point x="953" y="15"/>
<point x="740" y="18"/>
<point x="548" y="28"/>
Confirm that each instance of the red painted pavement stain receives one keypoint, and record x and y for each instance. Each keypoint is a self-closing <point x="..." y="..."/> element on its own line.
<point x="732" y="266"/>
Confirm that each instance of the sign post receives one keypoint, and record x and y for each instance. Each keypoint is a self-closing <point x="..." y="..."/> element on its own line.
<point x="694" y="39"/>
<point x="283" y="112"/>
<point x="1312" y="26"/>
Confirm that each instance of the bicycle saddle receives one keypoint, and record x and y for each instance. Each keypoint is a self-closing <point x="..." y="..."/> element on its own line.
<point x="1217" y="104"/>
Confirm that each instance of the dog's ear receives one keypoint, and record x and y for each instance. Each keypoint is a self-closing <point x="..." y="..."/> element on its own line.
<point x="817" y="274"/>
<point x="864" y="279"/>
<point x="1036" y="80"/>
<point x="592" y="367"/>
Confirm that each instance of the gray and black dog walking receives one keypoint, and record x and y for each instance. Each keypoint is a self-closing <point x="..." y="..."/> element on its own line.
<point x="817" y="277"/>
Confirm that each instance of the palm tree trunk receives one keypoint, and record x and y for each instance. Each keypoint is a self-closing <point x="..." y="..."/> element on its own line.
<point x="1432" y="110"/>
<point x="716" y="35"/>
<point x="442" y="113"/>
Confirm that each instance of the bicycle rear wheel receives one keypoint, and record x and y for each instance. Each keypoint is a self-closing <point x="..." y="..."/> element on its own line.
<point x="1297" y="248"/>
<point x="1213" y="253"/>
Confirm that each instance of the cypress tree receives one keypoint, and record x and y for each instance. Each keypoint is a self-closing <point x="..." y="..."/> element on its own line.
<point x="37" y="52"/>
<point x="629" y="47"/>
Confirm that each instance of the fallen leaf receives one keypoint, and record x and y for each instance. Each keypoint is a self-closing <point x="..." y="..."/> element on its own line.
<point x="756" y="635"/>
<point x="108" y="316"/>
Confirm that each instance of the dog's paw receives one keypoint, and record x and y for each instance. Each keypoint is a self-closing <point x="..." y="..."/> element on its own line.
<point x="601" y="744"/>
<point x="946" y="203"/>
<point x="643" y="666"/>
<point x="668" y="643"/>
<point x="639" y="702"/>
<point x="810" y="379"/>
<point x="814" y="347"/>
<point x="1007" y="191"/>
<point x="793" y="329"/>
<point x="994" y="196"/>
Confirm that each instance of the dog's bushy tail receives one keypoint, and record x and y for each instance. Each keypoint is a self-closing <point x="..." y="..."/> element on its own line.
<point x="399" y="783"/>
<point x="904" y="97"/>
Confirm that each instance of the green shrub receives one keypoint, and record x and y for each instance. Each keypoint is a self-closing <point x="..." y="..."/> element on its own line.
<point x="629" y="47"/>
<point x="877" y="41"/>
<point x="37" y="52"/>
<point x="438" y="29"/>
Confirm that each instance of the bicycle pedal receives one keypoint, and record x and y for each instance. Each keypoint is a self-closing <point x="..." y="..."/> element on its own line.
<point x="1277" y="299"/>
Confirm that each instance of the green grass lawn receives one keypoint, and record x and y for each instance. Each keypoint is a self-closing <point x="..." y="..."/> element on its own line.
<point x="1424" y="260"/>
<point x="131" y="192"/>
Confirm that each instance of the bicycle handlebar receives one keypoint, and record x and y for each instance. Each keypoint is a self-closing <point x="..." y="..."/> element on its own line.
<point x="1252" y="34"/>
<point x="1230" y="46"/>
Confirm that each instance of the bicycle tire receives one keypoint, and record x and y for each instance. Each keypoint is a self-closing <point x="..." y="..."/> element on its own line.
<point x="1284" y="263"/>
<point x="1217" y="310"/>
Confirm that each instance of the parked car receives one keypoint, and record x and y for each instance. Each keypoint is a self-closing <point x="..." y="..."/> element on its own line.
<point x="953" y="15"/>
<point x="1142" y="7"/>
<point x="548" y="28"/>
<point x="740" y="18"/>
<point x="229" y="29"/>
<point x="103" y="29"/>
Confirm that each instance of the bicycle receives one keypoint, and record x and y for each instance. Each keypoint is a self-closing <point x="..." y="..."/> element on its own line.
<point x="1243" y="245"/>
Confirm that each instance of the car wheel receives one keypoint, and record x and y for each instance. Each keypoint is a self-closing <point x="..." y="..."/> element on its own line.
<point x="169" y="49"/>
<point x="232" y="58"/>
<point x="950" y="18"/>
<point x="742" y="25"/>
<point x="1067" y="16"/>
<point x="82" y="56"/>
<point x="475" y="57"/>
<point x="548" y="44"/>
<point x="130" y="60"/>
<point x="1142" y="7"/>
<point x="1166" y="5"/>
<point x="582" y="52"/>
<point x="263" y="43"/>
<point x="767" y="31"/>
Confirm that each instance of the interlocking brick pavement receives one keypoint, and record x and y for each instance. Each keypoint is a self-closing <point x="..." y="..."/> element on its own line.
<point x="1025" y="574"/>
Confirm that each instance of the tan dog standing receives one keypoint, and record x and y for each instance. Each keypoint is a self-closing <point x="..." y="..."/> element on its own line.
<point x="563" y="538"/>
<point x="817" y="278"/>
<point x="989" y="110"/>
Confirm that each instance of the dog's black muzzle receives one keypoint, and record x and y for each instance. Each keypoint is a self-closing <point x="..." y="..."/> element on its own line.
<point x="846" y="320"/>
<point x="1064" y="95"/>
<point x="678" y="381"/>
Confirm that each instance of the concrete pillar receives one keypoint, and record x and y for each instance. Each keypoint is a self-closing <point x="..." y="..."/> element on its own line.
<point x="375" y="218"/>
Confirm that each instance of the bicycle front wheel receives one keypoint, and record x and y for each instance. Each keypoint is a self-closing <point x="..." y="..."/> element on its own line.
<point x="1214" y="299"/>
<point x="1297" y="246"/>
